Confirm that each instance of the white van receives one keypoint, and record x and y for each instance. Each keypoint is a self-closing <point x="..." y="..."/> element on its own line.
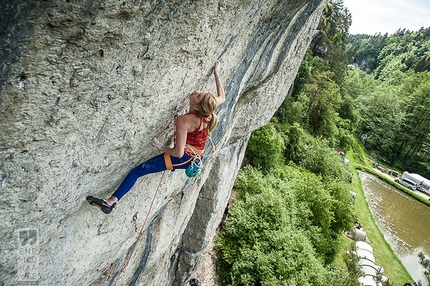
<point x="407" y="183"/>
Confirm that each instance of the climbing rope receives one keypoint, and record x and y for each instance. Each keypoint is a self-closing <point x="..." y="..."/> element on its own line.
<point x="127" y="259"/>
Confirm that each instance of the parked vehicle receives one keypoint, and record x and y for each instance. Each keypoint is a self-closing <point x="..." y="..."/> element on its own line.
<point x="407" y="183"/>
<point x="422" y="183"/>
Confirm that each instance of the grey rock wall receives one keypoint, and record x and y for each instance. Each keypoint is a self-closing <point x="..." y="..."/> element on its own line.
<point x="85" y="85"/>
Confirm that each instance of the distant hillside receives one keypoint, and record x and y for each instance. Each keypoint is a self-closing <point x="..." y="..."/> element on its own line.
<point x="408" y="50"/>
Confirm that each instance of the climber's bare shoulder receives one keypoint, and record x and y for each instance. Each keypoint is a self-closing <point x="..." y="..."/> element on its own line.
<point x="187" y="122"/>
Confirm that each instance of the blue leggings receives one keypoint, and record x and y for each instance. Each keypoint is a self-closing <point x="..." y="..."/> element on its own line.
<point x="153" y="165"/>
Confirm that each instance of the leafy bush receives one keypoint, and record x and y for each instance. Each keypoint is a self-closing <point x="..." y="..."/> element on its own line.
<point x="290" y="112"/>
<point x="265" y="148"/>
<point x="322" y="102"/>
<point x="321" y="160"/>
<point x="263" y="243"/>
<point x="327" y="208"/>
<point x="295" y="139"/>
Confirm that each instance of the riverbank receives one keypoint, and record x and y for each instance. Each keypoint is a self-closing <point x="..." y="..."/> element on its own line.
<point x="417" y="195"/>
<point x="384" y="254"/>
<point x="403" y="221"/>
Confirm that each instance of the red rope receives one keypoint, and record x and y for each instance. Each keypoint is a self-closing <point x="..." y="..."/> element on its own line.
<point x="125" y="263"/>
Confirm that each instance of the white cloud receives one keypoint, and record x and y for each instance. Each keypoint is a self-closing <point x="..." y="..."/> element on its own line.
<point x="385" y="16"/>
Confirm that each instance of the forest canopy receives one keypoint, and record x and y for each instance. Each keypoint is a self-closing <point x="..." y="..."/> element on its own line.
<point x="389" y="81"/>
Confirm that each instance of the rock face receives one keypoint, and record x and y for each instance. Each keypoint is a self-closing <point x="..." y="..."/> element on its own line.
<point x="85" y="85"/>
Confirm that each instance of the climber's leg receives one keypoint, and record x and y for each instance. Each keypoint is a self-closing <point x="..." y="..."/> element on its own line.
<point x="153" y="165"/>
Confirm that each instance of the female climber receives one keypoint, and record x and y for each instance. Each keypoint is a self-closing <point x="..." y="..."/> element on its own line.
<point x="192" y="131"/>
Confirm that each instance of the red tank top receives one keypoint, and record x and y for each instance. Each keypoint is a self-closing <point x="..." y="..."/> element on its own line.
<point x="198" y="137"/>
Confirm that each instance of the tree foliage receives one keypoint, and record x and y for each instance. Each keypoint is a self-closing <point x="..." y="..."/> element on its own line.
<point x="331" y="42"/>
<point x="394" y="117"/>
<point x="279" y="231"/>
<point x="363" y="50"/>
<point x="265" y="147"/>
<point x="394" y="110"/>
<point x="379" y="52"/>
<point x="415" y="128"/>
<point x="321" y="160"/>
<point x="321" y="98"/>
<point x="328" y="204"/>
<point x="318" y="104"/>
<point x="286" y="214"/>
<point x="318" y="100"/>
<point x="381" y="115"/>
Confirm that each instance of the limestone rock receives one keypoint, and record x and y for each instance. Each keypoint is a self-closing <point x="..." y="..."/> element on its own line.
<point x="85" y="85"/>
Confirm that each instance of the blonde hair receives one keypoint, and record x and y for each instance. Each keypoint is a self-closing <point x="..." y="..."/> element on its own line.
<point x="206" y="108"/>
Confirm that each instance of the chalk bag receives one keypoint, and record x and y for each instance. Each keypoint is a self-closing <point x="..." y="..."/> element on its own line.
<point x="195" y="167"/>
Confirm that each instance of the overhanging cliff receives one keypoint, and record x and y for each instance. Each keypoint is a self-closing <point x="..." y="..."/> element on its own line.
<point x="85" y="85"/>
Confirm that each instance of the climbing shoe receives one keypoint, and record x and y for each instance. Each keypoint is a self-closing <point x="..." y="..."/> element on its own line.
<point x="101" y="204"/>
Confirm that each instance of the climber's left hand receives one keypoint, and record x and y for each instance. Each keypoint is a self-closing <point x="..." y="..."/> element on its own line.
<point x="157" y="143"/>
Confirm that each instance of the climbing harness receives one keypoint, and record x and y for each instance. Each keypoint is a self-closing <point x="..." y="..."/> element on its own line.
<point x="196" y="159"/>
<point x="196" y="155"/>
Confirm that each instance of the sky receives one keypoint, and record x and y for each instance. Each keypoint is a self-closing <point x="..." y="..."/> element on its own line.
<point x="387" y="16"/>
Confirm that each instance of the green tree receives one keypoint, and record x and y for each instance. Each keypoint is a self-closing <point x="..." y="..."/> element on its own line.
<point x="321" y="98"/>
<point x="296" y="140"/>
<point x="321" y="160"/>
<point x="408" y="50"/>
<point x="309" y="66"/>
<point x="404" y="49"/>
<point x="330" y="43"/>
<point x="358" y="83"/>
<point x="265" y="148"/>
<point x="415" y="129"/>
<point x="262" y="242"/>
<point x="363" y="50"/>
<point x="290" y="112"/>
<point x="381" y="114"/>
<point x="327" y="202"/>
<point x="391" y="70"/>
<point x="348" y="113"/>
<point x="312" y="192"/>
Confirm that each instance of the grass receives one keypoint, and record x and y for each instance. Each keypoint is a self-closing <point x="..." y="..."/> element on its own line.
<point x="384" y="254"/>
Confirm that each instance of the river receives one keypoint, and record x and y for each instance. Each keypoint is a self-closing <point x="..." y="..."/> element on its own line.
<point x="404" y="221"/>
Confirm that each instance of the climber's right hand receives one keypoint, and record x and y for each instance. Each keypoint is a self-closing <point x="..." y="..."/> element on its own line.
<point x="216" y="67"/>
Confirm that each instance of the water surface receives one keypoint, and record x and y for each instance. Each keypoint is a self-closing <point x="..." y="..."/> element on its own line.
<point x="404" y="221"/>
